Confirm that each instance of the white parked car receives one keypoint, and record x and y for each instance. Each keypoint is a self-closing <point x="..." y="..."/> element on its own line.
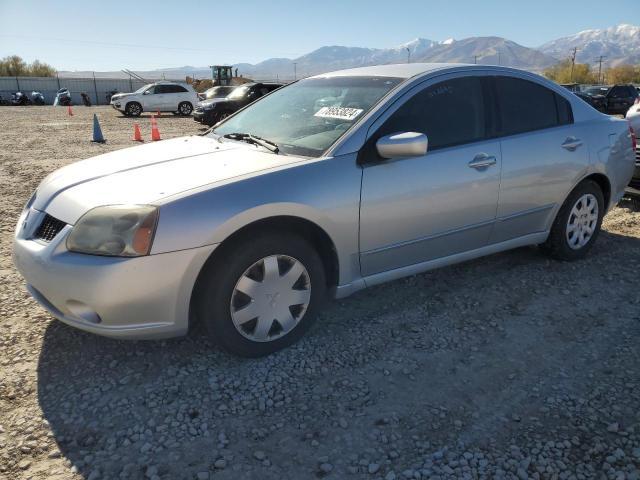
<point x="157" y="97"/>
<point x="633" y="116"/>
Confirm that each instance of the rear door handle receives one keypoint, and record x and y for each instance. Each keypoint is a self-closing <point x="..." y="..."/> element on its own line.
<point x="571" y="144"/>
<point x="482" y="160"/>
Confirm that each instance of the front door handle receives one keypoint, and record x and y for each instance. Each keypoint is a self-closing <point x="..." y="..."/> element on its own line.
<point x="482" y="160"/>
<point x="571" y="144"/>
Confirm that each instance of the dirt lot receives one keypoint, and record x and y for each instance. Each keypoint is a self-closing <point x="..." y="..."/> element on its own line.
<point x="513" y="366"/>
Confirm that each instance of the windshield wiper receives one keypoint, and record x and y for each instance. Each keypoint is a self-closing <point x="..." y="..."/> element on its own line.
<point x="254" y="139"/>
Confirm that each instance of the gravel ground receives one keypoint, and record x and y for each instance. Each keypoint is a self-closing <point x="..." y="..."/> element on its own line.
<point x="512" y="366"/>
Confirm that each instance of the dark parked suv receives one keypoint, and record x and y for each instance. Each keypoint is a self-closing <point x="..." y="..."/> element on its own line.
<point x="212" y="111"/>
<point x="612" y="100"/>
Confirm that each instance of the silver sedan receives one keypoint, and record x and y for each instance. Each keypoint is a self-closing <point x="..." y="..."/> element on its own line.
<point x="324" y="187"/>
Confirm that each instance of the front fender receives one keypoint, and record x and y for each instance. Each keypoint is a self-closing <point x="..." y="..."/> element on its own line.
<point x="326" y="193"/>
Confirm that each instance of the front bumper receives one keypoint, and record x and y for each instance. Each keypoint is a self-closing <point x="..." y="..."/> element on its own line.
<point x="204" y="116"/>
<point x="133" y="298"/>
<point x="633" y="189"/>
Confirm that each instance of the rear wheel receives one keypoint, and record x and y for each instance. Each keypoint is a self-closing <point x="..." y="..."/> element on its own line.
<point x="133" y="109"/>
<point x="264" y="296"/>
<point x="577" y="224"/>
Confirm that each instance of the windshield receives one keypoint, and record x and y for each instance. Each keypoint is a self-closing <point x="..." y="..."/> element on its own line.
<point x="307" y="117"/>
<point x="142" y="89"/>
<point x="596" y="91"/>
<point x="238" y="92"/>
<point x="217" y="92"/>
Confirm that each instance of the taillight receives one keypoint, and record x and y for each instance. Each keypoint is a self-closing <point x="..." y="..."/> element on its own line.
<point x="634" y="142"/>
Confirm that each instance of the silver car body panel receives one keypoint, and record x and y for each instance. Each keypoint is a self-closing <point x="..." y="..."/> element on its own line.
<point x="385" y="220"/>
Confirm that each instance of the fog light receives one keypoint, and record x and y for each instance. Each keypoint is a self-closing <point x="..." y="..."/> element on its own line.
<point x="83" y="312"/>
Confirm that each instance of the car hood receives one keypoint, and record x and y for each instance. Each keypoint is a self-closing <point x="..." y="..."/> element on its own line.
<point x="120" y="95"/>
<point x="211" y="101"/>
<point x="149" y="173"/>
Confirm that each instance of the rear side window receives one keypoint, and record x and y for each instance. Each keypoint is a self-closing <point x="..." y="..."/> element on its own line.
<point x="174" y="89"/>
<point x="525" y="106"/>
<point x="448" y="113"/>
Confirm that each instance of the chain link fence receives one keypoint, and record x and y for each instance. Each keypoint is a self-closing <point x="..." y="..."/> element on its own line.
<point x="99" y="90"/>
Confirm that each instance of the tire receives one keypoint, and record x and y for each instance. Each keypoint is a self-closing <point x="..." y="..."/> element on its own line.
<point x="185" y="109"/>
<point x="219" y="297"/>
<point x="218" y="117"/>
<point x="133" y="109"/>
<point x="571" y="236"/>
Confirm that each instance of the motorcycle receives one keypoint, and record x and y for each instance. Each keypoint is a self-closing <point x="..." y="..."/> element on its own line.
<point x="85" y="99"/>
<point x="37" y="98"/>
<point x="20" y="99"/>
<point x="63" y="97"/>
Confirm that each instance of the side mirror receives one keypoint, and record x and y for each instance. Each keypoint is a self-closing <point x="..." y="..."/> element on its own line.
<point x="402" y="145"/>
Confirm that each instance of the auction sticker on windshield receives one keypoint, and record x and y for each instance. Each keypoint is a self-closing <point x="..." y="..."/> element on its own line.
<point x="341" y="113"/>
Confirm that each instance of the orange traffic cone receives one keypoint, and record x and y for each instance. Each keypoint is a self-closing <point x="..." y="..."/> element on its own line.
<point x="69" y="111"/>
<point x="155" y="133"/>
<point x="137" y="137"/>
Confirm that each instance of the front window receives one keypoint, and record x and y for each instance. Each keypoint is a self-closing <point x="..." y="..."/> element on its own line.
<point x="307" y="117"/>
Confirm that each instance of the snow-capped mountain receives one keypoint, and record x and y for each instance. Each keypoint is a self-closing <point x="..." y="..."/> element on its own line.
<point x="487" y="50"/>
<point x="619" y="44"/>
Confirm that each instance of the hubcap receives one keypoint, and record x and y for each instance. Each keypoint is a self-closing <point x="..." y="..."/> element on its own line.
<point x="582" y="221"/>
<point x="270" y="298"/>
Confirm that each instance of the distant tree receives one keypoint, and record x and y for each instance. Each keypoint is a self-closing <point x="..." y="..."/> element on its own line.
<point x="623" y="74"/>
<point x="14" y="66"/>
<point x="39" y="69"/>
<point x="561" y="73"/>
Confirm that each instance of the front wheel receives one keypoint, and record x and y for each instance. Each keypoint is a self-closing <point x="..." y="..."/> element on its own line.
<point x="185" y="109"/>
<point x="577" y="224"/>
<point x="264" y="296"/>
<point x="133" y="109"/>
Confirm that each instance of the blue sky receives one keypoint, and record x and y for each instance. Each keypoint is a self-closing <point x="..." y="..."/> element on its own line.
<point x="94" y="35"/>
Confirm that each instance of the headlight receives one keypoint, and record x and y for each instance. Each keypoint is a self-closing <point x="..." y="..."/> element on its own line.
<point x="115" y="230"/>
<point x="209" y="106"/>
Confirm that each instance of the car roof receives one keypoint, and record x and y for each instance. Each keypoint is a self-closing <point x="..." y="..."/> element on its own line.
<point x="400" y="70"/>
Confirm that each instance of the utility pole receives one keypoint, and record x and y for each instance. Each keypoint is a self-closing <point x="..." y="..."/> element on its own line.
<point x="573" y="61"/>
<point x="475" y="59"/>
<point x="499" y="55"/>
<point x="602" y="57"/>
<point x="408" y="55"/>
<point x="295" y="72"/>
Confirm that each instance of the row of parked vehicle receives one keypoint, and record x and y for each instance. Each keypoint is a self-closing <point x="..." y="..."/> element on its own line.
<point x="210" y="107"/>
<point x="610" y="99"/>
<point x="21" y="98"/>
<point x="63" y="98"/>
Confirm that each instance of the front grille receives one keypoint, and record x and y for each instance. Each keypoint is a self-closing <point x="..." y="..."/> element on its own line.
<point x="49" y="228"/>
